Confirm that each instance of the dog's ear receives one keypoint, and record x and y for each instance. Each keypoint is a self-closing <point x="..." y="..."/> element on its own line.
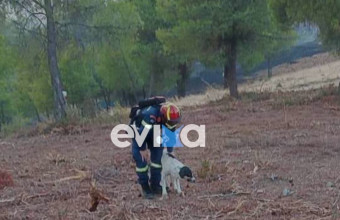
<point x="185" y="171"/>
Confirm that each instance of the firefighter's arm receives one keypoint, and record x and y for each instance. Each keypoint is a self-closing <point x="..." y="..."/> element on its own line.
<point x="145" y="155"/>
<point x="147" y="123"/>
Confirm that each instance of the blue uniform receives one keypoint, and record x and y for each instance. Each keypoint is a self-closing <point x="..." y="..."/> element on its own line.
<point x="149" y="116"/>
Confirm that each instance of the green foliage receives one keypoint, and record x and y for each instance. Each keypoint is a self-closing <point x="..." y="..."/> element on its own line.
<point x="114" y="62"/>
<point x="325" y="14"/>
<point x="122" y="50"/>
<point x="17" y="124"/>
<point x="149" y="56"/>
<point x="33" y="87"/>
<point x="202" y="30"/>
<point x="6" y="89"/>
<point x="77" y="74"/>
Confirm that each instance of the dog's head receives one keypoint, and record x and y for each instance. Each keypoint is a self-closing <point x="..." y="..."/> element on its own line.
<point x="186" y="173"/>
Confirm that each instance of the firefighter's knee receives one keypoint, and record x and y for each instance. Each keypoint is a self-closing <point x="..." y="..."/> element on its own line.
<point x="155" y="166"/>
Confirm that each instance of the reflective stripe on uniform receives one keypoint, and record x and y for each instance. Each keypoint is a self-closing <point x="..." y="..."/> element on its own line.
<point x="155" y="165"/>
<point x="143" y="169"/>
<point x="146" y="125"/>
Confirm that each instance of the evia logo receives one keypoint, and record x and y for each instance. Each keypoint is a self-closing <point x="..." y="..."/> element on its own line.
<point x="162" y="136"/>
<point x="171" y="138"/>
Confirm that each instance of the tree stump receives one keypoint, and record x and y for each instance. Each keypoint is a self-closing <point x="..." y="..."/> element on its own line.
<point x="6" y="179"/>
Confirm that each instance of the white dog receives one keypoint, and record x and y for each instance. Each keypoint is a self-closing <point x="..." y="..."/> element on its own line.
<point x="174" y="170"/>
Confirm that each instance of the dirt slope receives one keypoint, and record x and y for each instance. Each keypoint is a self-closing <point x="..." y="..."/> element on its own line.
<point x="255" y="151"/>
<point x="311" y="72"/>
<point x="306" y="73"/>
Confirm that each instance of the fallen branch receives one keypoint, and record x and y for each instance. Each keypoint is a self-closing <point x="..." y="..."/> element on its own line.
<point x="82" y="175"/>
<point x="239" y="205"/>
<point x="7" y="143"/>
<point x="38" y="195"/>
<point x="8" y="200"/>
<point x="206" y="83"/>
<point x="336" y="200"/>
<point x="221" y="195"/>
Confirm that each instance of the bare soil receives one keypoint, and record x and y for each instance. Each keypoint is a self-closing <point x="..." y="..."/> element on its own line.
<point x="307" y="73"/>
<point x="316" y="60"/>
<point x="266" y="157"/>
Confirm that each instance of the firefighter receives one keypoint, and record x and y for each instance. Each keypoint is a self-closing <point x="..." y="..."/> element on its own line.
<point x="166" y="114"/>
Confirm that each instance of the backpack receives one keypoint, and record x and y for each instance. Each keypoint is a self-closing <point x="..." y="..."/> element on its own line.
<point x="135" y="112"/>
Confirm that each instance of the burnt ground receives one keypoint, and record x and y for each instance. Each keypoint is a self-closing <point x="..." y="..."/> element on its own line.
<point x="266" y="157"/>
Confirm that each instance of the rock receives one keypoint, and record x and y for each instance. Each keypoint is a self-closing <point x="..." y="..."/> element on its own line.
<point x="287" y="192"/>
<point x="260" y="191"/>
<point x="330" y="185"/>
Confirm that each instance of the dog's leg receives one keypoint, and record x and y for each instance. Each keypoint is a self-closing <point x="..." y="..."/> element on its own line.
<point x="175" y="184"/>
<point x="168" y="181"/>
<point x="164" y="184"/>
<point x="179" y="191"/>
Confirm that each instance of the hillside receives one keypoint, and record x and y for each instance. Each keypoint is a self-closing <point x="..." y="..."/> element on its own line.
<point x="273" y="154"/>
<point x="306" y="73"/>
<point x="256" y="149"/>
<point x="303" y="55"/>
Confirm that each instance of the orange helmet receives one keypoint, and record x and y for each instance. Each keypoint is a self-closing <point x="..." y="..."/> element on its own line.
<point x="171" y="115"/>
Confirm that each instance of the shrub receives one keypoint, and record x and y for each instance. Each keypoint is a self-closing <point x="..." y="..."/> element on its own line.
<point x="207" y="170"/>
<point x="256" y="96"/>
<point x="17" y="125"/>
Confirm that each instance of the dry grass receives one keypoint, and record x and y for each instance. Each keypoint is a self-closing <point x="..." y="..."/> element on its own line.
<point x="315" y="72"/>
<point x="244" y="149"/>
<point x="210" y="95"/>
<point x="207" y="170"/>
<point x="305" y="79"/>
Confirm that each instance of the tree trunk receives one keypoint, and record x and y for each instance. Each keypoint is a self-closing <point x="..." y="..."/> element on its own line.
<point x="152" y="84"/>
<point x="2" y="112"/>
<point x="131" y="76"/>
<point x="103" y="91"/>
<point x="106" y="97"/>
<point x="269" y="66"/>
<point x="183" y="76"/>
<point x="144" y="93"/>
<point x="2" y="121"/>
<point x="125" y="98"/>
<point x="35" y="109"/>
<point x="230" y="68"/>
<point x="106" y="102"/>
<point x="37" y="113"/>
<point x="47" y="113"/>
<point x="59" y="100"/>
<point x="339" y="92"/>
<point x="225" y="74"/>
